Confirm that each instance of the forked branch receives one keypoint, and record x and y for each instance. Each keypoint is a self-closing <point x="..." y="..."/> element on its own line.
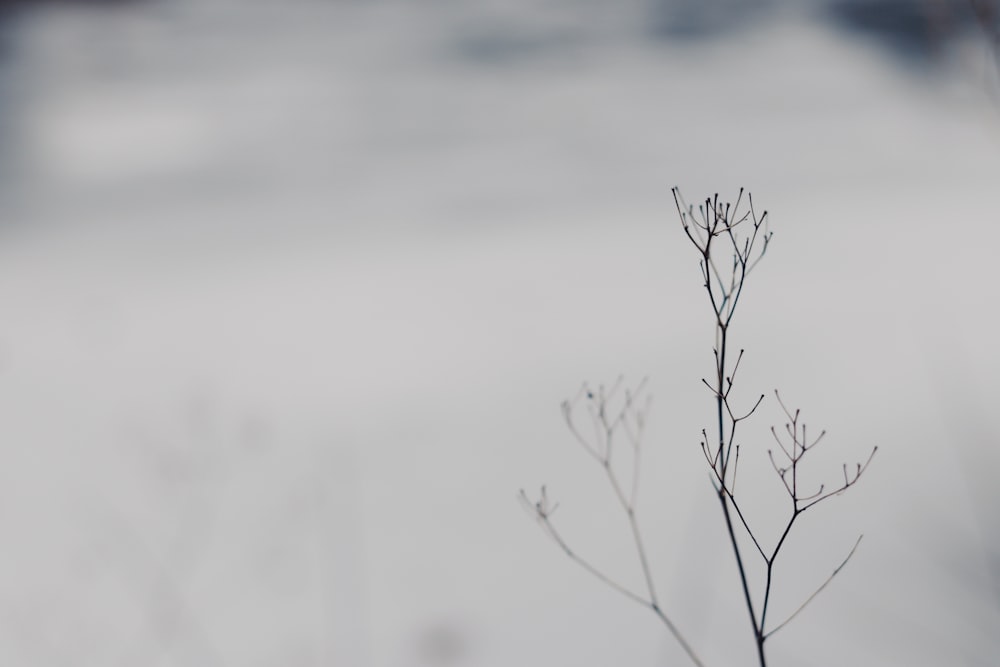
<point x="716" y="230"/>
<point x="731" y="240"/>
<point x="609" y="418"/>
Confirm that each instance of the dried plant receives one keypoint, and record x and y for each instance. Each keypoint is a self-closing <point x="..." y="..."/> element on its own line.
<point x="607" y="424"/>
<point x="620" y="413"/>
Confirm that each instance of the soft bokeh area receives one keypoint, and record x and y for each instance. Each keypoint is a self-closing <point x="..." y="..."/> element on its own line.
<point x="291" y="292"/>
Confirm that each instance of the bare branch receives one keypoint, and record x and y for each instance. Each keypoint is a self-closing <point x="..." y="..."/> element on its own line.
<point x="817" y="591"/>
<point x="606" y="421"/>
<point x="848" y="482"/>
<point x="752" y="410"/>
<point x="730" y="241"/>
<point x="551" y="531"/>
<point x="710" y="388"/>
<point x="781" y="444"/>
<point x="781" y="473"/>
<point x="746" y="526"/>
<point x="567" y="410"/>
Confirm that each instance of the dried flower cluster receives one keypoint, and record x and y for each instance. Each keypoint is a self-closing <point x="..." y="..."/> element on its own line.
<point x="618" y="417"/>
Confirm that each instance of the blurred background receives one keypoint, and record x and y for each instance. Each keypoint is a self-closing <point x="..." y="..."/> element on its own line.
<point x="290" y="293"/>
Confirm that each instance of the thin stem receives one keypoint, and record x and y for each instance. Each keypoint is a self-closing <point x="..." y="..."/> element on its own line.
<point x="543" y="514"/>
<point x="590" y="568"/>
<point x="743" y="578"/>
<point x="646" y="573"/>
<point x="677" y="635"/>
<point x="746" y="526"/>
<point x="817" y="591"/>
<point x="770" y="570"/>
<point x="630" y="418"/>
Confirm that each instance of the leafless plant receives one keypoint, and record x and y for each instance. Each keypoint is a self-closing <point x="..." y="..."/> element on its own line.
<point x="607" y="424"/>
<point x="747" y="238"/>
<point x="617" y="411"/>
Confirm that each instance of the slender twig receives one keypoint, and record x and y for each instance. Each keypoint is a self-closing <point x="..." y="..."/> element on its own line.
<point x="746" y="237"/>
<point x="606" y="423"/>
<point x="817" y="591"/>
<point x="579" y="560"/>
<point x="731" y="241"/>
<point x="544" y="517"/>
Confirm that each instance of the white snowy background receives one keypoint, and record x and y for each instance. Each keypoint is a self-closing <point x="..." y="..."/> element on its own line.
<point x="290" y="293"/>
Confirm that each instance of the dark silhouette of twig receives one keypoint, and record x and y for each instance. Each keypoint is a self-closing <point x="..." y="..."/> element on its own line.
<point x="745" y="238"/>
<point x="817" y="591"/>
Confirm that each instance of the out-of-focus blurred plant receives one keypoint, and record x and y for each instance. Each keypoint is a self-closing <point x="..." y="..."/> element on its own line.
<point x="988" y="16"/>
<point x="618" y="418"/>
